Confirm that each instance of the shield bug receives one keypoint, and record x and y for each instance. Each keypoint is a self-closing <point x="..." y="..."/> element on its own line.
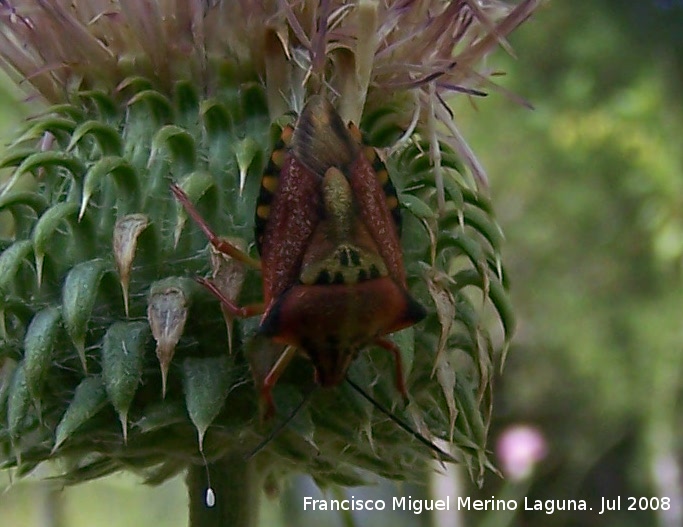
<point x="327" y="227"/>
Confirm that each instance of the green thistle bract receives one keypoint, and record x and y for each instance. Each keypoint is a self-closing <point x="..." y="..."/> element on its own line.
<point x="112" y="356"/>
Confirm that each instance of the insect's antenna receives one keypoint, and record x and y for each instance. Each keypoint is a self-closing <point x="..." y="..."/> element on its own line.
<point x="406" y="427"/>
<point x="280" y="426"/>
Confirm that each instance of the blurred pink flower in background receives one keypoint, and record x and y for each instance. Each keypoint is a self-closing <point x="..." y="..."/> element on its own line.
<point x="519" y="449"/>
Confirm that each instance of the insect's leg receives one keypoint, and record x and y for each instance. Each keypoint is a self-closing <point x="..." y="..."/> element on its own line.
<point x="400" y="381"/>
<point x="220" y="244"/>
<point x="272" y="377"/>
<point x="233" y="309"/>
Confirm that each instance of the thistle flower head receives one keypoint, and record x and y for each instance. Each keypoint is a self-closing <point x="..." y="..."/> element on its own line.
<point x="520" y="448"/>
<point x="420" y="50"/>
<point x="99" y="315"/>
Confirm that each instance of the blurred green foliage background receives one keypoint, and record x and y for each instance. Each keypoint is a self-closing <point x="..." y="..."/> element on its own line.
<point x="589" y="191"/>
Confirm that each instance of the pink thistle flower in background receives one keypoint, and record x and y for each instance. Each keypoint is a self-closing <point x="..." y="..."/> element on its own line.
<point x="520" y="448"/>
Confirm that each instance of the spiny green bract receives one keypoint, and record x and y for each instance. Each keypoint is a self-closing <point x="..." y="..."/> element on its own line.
<point x="113" y="357"/>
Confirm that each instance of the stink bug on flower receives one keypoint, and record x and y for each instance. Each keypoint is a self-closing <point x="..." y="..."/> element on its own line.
<point x="327" y="229"/>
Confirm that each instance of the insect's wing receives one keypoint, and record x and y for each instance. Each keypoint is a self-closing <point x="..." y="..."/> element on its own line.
<point x="290" y="218"/>
<point x="321" y="139"/>
<point x="375" y="210"/>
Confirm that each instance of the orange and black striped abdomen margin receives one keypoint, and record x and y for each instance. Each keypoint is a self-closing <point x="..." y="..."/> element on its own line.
<point x="269" y="184"/>
<point x="387" y="185"/>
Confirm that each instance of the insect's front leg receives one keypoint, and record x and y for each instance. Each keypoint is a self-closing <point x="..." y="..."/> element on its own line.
<point x="220" y="244"/>
<point x="396" y="352"/>
<point x="272" y="377"/>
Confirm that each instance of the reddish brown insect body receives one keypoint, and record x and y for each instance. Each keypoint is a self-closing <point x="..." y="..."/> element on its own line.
<point x="327" y="229"/>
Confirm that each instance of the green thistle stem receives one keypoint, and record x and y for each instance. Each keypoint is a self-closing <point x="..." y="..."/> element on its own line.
<point x="237" y="487"/>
